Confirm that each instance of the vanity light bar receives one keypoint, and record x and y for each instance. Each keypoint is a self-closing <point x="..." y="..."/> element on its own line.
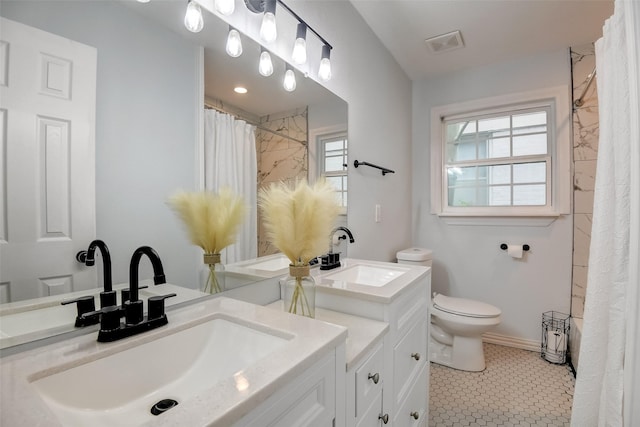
<point x="194" y="22"/>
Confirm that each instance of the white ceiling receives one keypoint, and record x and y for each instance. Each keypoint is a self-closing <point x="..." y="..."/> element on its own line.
<point x="492" y="30"/>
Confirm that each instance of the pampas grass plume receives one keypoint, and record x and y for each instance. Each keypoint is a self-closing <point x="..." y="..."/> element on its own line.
<point x="298" y="221"/>
<point x="212" y="219"/>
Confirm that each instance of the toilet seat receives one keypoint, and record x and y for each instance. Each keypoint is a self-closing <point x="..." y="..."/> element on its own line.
<point x="465" y="307"/>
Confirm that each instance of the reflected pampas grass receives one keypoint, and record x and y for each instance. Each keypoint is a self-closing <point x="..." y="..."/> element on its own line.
<point x="212" y="221"/>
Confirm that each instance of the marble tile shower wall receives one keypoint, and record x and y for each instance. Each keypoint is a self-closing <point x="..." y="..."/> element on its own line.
<point x="585" y="152"/>
<point x="281" y="156"/>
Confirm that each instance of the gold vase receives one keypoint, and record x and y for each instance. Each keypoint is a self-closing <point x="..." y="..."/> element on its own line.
<point x="215" y="279"/>
<point x="299" y="291"/>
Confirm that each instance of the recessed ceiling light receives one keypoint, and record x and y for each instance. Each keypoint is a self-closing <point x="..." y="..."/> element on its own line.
<point x="240" y="89"/>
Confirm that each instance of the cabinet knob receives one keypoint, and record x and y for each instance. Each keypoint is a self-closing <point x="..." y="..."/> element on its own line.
<point x="384" y="418"/>
<point x="374" y="377"/>
<point x="415" y="415"/>
<point x="415" y="356"/>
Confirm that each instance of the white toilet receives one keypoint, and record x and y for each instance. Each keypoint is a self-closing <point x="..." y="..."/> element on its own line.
<point x="457" y="324"/>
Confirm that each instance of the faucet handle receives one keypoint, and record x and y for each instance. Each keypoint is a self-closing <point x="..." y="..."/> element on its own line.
<point x="84" y="306"/>
<point x="126" y="295"/>
<point x="156" y="306"/>
<point x="108" y="298"/>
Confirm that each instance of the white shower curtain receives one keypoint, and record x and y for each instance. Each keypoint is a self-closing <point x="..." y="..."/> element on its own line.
<point x="230" y="161"/>
<point x="598" y="398"/>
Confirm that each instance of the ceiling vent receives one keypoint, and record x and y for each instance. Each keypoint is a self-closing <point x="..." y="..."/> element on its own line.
<point x="445" y="42"/>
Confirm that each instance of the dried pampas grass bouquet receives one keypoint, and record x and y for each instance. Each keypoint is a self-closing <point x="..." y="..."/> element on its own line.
<point x="298" y="222"/>
<point x="212" y="221"/>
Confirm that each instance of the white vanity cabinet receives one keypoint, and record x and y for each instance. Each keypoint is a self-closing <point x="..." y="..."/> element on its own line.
<point x="309" y="400"/>
<point x="402" y="391"/>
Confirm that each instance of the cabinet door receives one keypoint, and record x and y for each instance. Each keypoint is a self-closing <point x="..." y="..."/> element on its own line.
<point x="309" y="401"/>
<point x="414" y="411"/>
<point x="409" y="356"/>
<point x="372" y="417"/>
<point x="369" y="378"/>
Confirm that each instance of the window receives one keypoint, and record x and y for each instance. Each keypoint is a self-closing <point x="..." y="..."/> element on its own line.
<point x="333" y="162"/>
<point x="505" y="156"/>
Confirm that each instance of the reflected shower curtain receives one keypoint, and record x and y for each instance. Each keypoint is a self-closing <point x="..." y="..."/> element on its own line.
<point x="599" y="396"/>
<point x="230" y="160"/>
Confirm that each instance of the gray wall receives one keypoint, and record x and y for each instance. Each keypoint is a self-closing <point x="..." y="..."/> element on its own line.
<point x="145" y="126"/>
<point x="467" y="259"/>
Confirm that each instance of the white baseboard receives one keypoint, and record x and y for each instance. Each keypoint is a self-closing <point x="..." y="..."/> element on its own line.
<point x="491" y="338"/>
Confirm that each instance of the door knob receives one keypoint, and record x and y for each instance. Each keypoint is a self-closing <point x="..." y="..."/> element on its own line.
<point x="415" y="356"/>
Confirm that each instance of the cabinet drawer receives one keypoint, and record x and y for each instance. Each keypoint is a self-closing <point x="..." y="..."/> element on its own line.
<point x="414" y="410"/>
<point x="409" y="356"/>
<point x="409" y="309"/>
<point x="369" y="379"/>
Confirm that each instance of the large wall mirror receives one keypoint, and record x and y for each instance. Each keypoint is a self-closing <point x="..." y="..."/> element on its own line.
<point x="148" y="136"/>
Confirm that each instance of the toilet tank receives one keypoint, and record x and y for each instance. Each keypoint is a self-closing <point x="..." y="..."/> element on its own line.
<point x="415" y="256"/>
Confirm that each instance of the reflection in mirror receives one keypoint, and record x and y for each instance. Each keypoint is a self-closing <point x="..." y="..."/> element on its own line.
<point x="147" y="107"/>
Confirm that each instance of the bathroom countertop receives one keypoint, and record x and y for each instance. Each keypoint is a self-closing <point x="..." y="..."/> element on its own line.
<point x="38" y="318"/>
<point x="381" y="294"/>
<point x="362" y="333"/>
<point x="221" y="404"/>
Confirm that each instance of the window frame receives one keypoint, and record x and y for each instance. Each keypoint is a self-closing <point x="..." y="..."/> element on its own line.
<point x="320" y="140"/>
<point x="559" y="152"/>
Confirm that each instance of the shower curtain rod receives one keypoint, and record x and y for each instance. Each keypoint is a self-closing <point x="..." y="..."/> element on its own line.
<point x="257" y="125"/>
<point x="580" y="101"/>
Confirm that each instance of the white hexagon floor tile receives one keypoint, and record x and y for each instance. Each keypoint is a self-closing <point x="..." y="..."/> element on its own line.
<point x="518" y="388"/>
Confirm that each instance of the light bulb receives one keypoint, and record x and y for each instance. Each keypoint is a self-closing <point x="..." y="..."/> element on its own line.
<point x="265" y="67"/>
<point x="268" y="30"/>
<point x="299" y="54"/>
<point x="289" y="82"/>
<point x="324" y="72"/>
<point x="193" y="18"/>
<point x="225" y="7"/>
<point x="234" y="44"/>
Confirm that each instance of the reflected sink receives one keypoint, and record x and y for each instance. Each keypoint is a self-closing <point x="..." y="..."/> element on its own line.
<point x="263" y="267"/>
<point x="272" y="264"/>
<point x="121" y="388"/>
<point x="367" y="275"/>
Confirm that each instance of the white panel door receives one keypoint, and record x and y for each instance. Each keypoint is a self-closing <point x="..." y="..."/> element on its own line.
<point x="47" y="162"/>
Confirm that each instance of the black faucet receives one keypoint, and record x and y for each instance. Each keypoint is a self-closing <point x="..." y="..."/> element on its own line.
<point x="111" y="329"/>
<point x="332" y="260"/>
<point x="133" y="308"/>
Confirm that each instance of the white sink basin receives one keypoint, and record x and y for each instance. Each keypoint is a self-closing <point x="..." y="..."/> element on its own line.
<point x="365" y="279"/>
<point x="272" y="264"/>
<point x="120" y="389"/>
<point x="264" y="267"/>
<point x="367" y="275"/>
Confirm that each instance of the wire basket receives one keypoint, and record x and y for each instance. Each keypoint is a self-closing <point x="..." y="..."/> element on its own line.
<point x="555" y="337"/>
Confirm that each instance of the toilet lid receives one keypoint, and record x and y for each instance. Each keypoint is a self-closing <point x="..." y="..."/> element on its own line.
<point x="465" y="307"/>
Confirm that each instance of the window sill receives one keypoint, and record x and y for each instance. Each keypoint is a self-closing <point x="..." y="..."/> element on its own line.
<point x="506" y="220"/>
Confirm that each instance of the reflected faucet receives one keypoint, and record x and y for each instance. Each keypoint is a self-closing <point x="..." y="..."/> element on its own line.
<point x="108" y="296"/>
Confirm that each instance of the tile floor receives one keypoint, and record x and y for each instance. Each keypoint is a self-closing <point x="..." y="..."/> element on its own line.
<point x="518" y="388"/>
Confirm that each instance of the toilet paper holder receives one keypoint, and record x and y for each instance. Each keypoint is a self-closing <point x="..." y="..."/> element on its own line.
<point x="504" y="247"/>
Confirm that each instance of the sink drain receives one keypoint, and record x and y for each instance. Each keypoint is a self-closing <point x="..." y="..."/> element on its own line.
<point x="163" y="406"/>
